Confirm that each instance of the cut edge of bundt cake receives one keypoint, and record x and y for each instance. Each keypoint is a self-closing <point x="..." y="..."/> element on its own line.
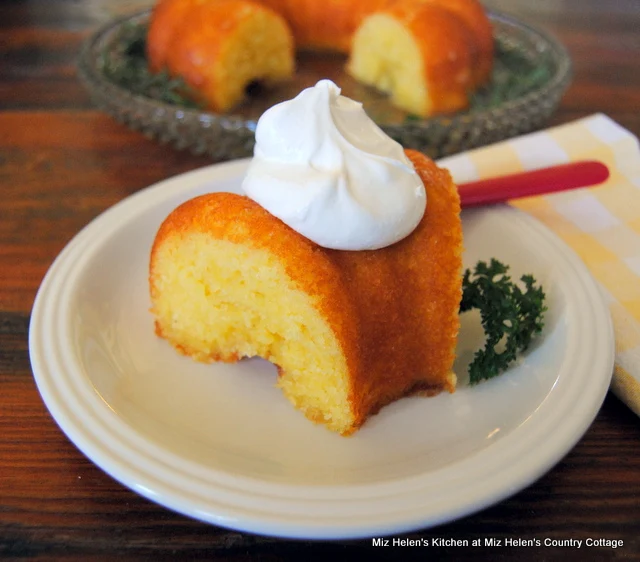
<point x="227" y="46"/>
<point x="384" y="55"/>
<point x="220" y="300"/>
<point x="420" y="54"/>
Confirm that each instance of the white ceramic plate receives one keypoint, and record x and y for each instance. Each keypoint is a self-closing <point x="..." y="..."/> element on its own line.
<point x="221" y="444"/>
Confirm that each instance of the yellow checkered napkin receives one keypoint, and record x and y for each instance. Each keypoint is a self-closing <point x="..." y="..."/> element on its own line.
<point x="601" y="224"/>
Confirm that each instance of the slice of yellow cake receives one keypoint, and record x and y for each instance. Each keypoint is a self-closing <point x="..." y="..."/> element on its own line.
<point x="350" y="331"/>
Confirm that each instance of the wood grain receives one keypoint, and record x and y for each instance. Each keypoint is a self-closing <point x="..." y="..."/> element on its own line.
<point x="62" y="163"/>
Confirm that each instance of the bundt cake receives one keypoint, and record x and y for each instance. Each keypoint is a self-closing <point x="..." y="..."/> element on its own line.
<point x="220" y="47"/>
<point x="350" y="331"/>
<point x="443" y="47"/>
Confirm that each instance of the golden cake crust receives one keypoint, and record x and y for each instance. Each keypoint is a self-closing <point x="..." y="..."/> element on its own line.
<point x="324" y="24"/>
<point x="475" y="19"/>
<point x="165" y="19"/>
<point x="409" y="335"/>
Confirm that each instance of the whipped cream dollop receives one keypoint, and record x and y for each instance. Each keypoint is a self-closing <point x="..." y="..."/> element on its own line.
<point x="324" y="168"/>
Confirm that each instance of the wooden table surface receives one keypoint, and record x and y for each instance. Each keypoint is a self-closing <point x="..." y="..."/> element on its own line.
<point x="62" y="163"/>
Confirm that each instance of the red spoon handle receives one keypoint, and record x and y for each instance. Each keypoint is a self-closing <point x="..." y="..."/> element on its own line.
<point x="536" y="182"/>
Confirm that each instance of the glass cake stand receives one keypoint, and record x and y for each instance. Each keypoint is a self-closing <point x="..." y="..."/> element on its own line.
<point x="231" y="136"/>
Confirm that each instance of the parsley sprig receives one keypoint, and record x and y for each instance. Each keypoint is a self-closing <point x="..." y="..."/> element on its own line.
<point x="510" y="316"/>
